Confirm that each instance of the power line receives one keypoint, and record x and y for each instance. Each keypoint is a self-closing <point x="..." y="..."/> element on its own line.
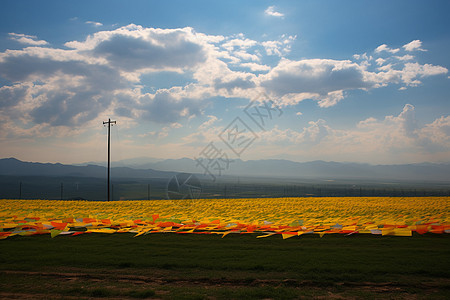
<point x="109" y="151"/>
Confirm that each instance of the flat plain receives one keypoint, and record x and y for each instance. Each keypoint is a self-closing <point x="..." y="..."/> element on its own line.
<point x="181" y="266"/>
<point x="207" y="249"/>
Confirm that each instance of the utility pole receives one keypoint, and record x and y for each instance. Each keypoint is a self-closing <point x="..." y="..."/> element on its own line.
<point x="109" y="151"/>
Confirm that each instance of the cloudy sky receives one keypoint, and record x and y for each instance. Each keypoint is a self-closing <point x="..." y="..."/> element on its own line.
<point x="361" y="81"/>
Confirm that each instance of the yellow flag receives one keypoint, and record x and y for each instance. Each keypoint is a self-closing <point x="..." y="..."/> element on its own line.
<point x="287" y="235"/>
<point x="402" y="232"/>
<point x="55" y="232"/>
<point x="223" y="235"/>
<point x="102" y="230"/>
<point x="266" y="235"/>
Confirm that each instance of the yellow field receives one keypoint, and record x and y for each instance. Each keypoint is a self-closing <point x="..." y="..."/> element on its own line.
<point x="263" y="216"/>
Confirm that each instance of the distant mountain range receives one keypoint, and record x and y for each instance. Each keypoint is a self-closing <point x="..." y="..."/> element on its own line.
<point x="272" y="168"/>
<point x="314" y="169"/>
<point x="15" y="167"/>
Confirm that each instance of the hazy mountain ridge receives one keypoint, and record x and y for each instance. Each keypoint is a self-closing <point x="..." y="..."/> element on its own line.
<point x="15" y="167"/>
<point x="314" y="169"/>
<point x="152" y="168"/>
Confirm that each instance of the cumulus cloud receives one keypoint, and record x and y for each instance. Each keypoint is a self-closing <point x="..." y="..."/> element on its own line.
<point x="385" y="48"/>
<point x="380" y="61"/>
<point x="411" y="71"/>
<point x="216" y="78"/>
<point x="238" y="48"/>
<point x="76" y="85"/>
<point x="403" y="134"/>
<point x="58" y="92"/>
<point x="239" y="43"/>
<point x="327" y="81"/>
<point x="415" y="45"/>
<point x="312" y="135"/>
<point x="164" y="108"/>
<point x="133" y="47"/>
<point x="235" y="81"/>
<point x="27" y="39"/>
<point x="320" y="78"/>
<point x="270" y="11"/>
<point x="10" y="94"/>
<point x="392" y="139"/>
<point x="436" y="135"/>
<point x="103" y="73"/>
<point x="279" y="47"/>
<point x="315" y="132"/>
<point x="408" y="73"/>
<point x="255" y="67"/>
<point x="404" y="57"/>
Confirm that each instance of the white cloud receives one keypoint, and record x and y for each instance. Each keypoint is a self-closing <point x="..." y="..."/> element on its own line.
<point x="27" y="39"/>
<point x="363" y="56"/>
<point x="133" y="48"/>
<point x="325" y="79"/>
<point x="380" y="61"/>
<point x="393" y="139"/>
<point x="272" y="47"/>
<point x="270" y="11"/>
<point x="280" y="47"/>
<point x="331" y="99"/>
<point x="436" y="134"/>
<point x="407" y="73"/>
<point x="401" y="133"/>
<point x="254" y="67"/>
<point x="58" y="92"/>
<point x="412" y="71"/>
<point x="315" y="133"/>
<point x="78" y="84"/>
<point x="239" y="43"/>
<point x="102" y="74"/>
<point x="10" y="94"/>
<point x="404" y="57"/>
<point x="176" y="125"/>
<point x="217" y="79"/>
<point x="96" y="24"/>
<point x="384" y="47"/>
<point x="415" y="45"/>
<point x="246" y="56"/>
<point x="164" y="107"/>
<point x="207" y="124"/>
<point x="163" y="133"/>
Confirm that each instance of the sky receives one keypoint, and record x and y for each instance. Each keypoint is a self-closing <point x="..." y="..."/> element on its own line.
<point x="348" y="81"/>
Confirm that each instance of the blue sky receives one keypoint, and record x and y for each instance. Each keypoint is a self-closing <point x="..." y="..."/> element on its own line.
<point x="359" y="81"/>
